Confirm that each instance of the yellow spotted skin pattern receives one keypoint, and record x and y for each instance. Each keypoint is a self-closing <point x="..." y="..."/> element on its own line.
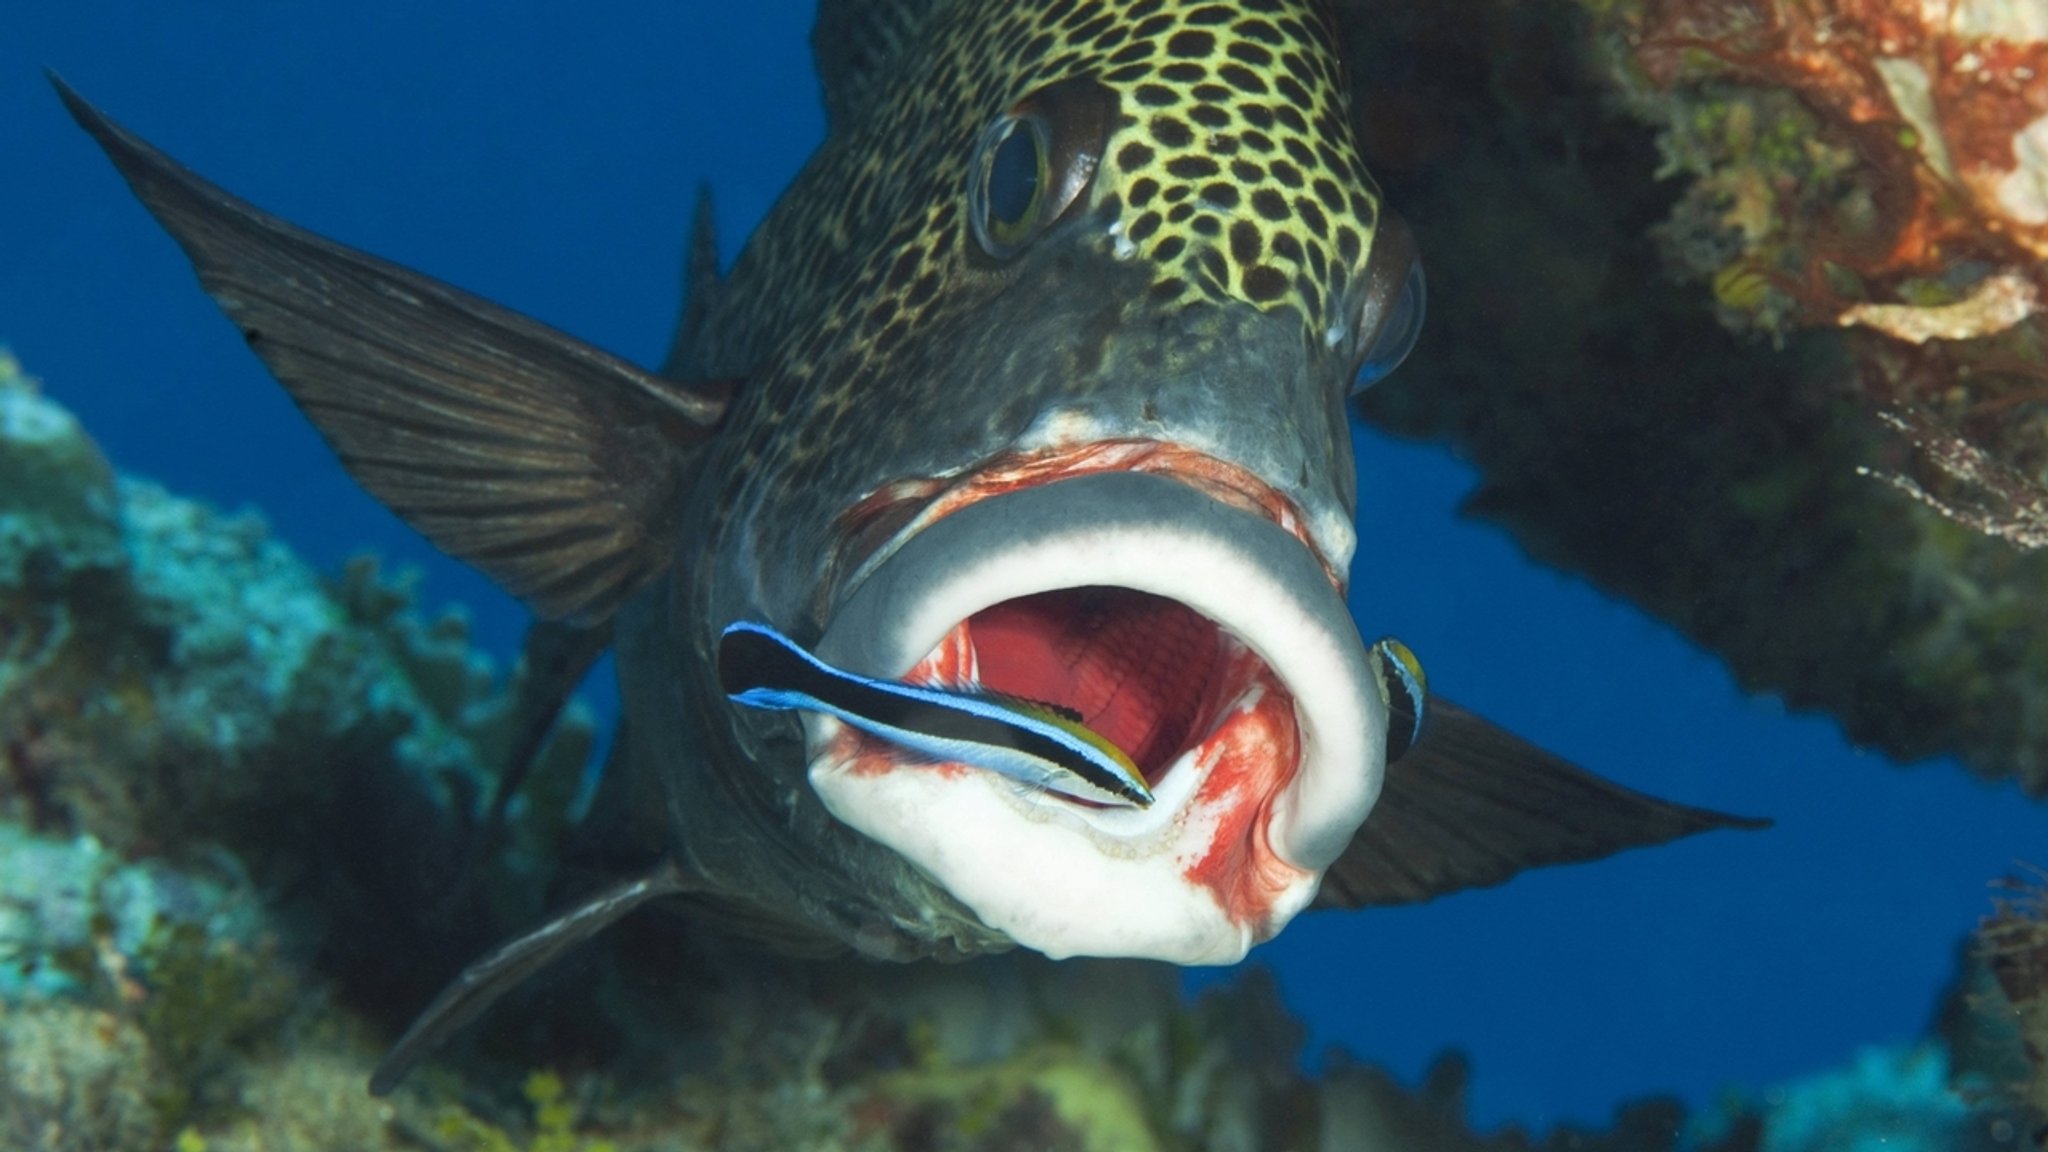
<point x="1234" y="171"/>
<point x="1231" y="171"/>
<point x="1211" y="266"/>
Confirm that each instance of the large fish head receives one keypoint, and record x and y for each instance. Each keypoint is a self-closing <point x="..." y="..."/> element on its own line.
<point x="1072" y="428"/>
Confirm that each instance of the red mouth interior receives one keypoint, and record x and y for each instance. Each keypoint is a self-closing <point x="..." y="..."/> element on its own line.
<point x="1142" y="670"/>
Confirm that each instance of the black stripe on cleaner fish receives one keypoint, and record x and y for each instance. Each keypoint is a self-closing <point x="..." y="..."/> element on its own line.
<point x="1033" y="384"/>
<point x="1038" y="745"/>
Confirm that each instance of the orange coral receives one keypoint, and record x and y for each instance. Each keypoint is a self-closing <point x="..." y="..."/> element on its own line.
<point x="1944" y="103"/>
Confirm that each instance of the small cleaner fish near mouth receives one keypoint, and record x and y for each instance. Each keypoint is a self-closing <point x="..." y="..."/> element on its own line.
<point x="1039" y="745"/>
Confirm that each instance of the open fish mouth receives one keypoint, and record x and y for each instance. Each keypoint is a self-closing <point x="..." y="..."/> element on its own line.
<point x="1187" y="620"/>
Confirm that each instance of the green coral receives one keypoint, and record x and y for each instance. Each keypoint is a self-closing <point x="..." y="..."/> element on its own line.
<point x="553" y="1121"/>
<point x="1762" y="175"/>
<point x="207" y="1001"/>
<point x="1061" y="1097"/>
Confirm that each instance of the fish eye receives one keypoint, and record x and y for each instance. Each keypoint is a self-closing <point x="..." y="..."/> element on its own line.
<point x="1396" y="299"/>
<point x="1405" y="690"/>
<point x="1009" y="185"/>
<point x="1397" y="332"/>
<point x="1033" y="162"/>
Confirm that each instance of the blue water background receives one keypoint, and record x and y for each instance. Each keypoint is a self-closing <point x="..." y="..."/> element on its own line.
<point x="547" y="160"/>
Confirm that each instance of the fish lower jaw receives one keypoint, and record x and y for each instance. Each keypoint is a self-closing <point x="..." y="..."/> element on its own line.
<point x="1192" y="878"/>
<point x="1205" y="642"/>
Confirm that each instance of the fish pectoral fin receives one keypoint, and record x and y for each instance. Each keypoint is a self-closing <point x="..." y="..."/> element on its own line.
<point x="1472" y="804"/>
<point x="547" y="463"/>
<point x="490" y="977"/>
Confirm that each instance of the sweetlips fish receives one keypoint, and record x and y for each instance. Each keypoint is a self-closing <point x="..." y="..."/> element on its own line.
<point x="1035" y="380"/>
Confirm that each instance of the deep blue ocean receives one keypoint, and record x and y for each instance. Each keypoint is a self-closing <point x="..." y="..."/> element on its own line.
<point x="548" y="161"/>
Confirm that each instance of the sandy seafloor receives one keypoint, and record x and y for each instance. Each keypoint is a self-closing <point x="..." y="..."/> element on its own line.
<point x="547" y="161"/>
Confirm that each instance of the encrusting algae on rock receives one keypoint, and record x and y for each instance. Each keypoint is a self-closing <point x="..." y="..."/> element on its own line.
<point x="554" y="1122"/>
<point x="224" y="785"/>
<point x="1660" y="213"/>
<point x="1882" y="167"/>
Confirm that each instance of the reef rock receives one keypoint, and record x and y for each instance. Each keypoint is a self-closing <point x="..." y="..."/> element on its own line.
<point x="1740" y="316"/>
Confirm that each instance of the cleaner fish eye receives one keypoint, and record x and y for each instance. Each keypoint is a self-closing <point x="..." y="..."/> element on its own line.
<point x="1395" y="301"/>
<point x="1033" y="162"/>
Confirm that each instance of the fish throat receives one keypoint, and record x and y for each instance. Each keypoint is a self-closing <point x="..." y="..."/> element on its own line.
<point x="1167" y="685"/>
<point x="1141" y="670"/>
<point x="1151" y="675"/>
<point x="1147" y="673"/>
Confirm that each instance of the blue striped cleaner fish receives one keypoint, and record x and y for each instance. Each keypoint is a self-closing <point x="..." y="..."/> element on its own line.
<point x="1042" y="745"/>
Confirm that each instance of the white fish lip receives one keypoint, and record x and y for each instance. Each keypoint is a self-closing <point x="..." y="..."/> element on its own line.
<point x="1261" y="584"/>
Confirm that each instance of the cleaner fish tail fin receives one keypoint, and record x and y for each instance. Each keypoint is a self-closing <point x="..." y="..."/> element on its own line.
<point x="547" y="463"/>
<point x="761" y="667"/>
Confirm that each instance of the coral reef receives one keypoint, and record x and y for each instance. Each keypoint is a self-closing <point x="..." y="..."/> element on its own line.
<point x="2014" y="949"/>
<point x="207" y="929"/>
<point x="197" y="926"/>
<point x="171" y="677"/>
<point x="188" y="714"/>
<point x="1879" y="167"/>
<point x="1658" y="216"/>
<point x="1901" y="1099"/>
<point x="1849" y="162"/>
<point x="73" y="1077"/>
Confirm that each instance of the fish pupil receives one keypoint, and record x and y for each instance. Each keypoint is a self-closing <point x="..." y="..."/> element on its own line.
<point x="1014" y="178"/>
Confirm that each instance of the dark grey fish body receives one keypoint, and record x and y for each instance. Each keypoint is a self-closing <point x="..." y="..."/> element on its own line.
<point x="914" y="357"/>
<point x="1041" y="374"/>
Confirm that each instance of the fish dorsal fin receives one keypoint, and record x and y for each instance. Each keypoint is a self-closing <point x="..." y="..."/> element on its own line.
<point x="1472" y="804"/>
<point x="855" y="44"/>
<point x="547" y="463"/>
<point x="701" y="283"/>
